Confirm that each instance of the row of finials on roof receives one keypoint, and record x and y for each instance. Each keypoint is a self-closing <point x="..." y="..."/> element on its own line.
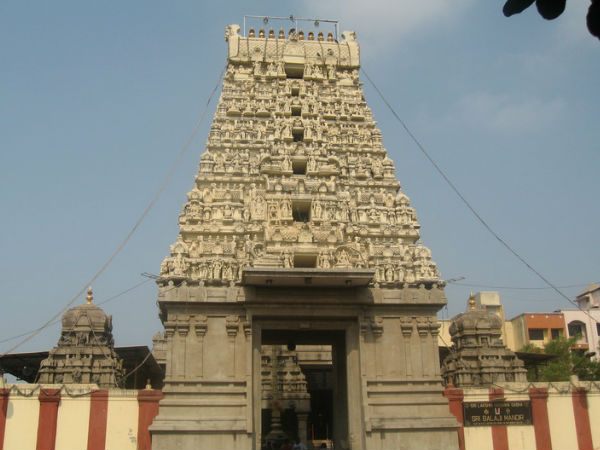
<point x="292" y="33"/>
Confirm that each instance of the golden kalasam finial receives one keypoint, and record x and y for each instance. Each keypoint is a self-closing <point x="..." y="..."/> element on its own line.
<point x="311" y="36"/>
<point x="90" y="296"/>
<point x="251" y="33"/>
<point x="330" y="37"/>
<point x="271" y="33"/>
<point x="301" y="35"/>
<point x="471" y="302"/>
<point x="320" y="35"/>
<point x="281" y="34"/>
<point x="261" y="33"/>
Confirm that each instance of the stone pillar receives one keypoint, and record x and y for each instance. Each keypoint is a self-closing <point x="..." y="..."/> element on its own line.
<point x="232" y="325"/>
<point x="183" y="329"/>
<point x="354" y="389"/>
<point x="406" y="326"/>
<point x="302" y="426"/>
<point x="169" y="334"/>
<point x="425" y="356"/>
<point x="377" y="331"/>
<point x="197" y="360"/>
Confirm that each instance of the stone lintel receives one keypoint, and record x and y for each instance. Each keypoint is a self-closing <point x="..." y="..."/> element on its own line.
<point x="307" y="277"/>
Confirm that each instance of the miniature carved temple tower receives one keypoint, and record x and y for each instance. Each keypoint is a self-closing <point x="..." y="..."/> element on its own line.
<point x="296" y="233"/>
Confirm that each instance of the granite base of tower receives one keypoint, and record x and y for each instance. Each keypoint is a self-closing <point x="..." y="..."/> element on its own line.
<point x="387" y="392"/>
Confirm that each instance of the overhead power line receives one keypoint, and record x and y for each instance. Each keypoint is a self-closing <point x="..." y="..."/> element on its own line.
<point x="114" y="297"/>
<point x="525" y="288"/>
<point x="466" y="202"/>
<point x="135" y="226"/>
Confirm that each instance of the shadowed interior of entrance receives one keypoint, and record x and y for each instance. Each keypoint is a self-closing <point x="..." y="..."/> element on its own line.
<point x="320" y="354"/>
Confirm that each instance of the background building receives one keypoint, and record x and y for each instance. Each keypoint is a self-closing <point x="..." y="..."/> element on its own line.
<point x="584" y="322"/>
<point x="537" y="329"/>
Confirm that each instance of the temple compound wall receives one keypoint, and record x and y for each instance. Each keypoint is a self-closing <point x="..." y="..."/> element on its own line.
<point x="34" y="417"/>
<point x="76" y="416"/>
<point x="562" y="415"/>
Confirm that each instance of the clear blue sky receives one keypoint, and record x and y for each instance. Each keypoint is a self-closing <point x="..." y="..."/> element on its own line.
<point x="97" y="99"/>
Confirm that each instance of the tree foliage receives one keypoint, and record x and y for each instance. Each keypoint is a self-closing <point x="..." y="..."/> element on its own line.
<point x="551" y="9"/>
<point x="566" y="362"/>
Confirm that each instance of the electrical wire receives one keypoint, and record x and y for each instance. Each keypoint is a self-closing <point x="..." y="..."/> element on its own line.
<point x="133" y="229"/>
<point x="487" y="286"/>
<point x="98" y="304"/>
<point x="467" y="203"/>
<point x="128" y="374"/>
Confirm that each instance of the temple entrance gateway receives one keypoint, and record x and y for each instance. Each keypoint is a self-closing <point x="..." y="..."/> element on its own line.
<point x="323" y="416"/>
<point x="298" y="297"/>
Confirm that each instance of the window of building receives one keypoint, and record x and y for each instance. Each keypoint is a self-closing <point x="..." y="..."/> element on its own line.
<point x="301" y="211"/>
<point x="306" y="261"/>
<point x="598" y="329"/>
<point x="295" y="92"/>
<point x="299" y="167"/>
<point x="536" y="334"/>
<point x="576" y="328"/>
<point x="298" y="134"/>
<point x="556" y="333"/>
<point x="296" y="110"/>
<point x="294" y="70"/>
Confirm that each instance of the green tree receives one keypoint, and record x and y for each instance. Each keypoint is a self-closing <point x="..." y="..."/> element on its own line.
<point x="530" y="348"/>
<point x="551" y="9"/>
<point x="565" y="363"/>
<point x="559" y="367"/>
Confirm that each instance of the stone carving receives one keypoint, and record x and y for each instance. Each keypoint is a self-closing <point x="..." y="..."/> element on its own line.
<point x="291" y="381"/>
<point x="295" y="176"/>
<point x="85" y="351"/>
<point x="477" y="356"/>
<point x="295" y="167"/>
<point x="232" y="324"/>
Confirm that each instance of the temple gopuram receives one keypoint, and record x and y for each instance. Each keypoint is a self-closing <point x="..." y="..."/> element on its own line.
<point x="297" y="299"/>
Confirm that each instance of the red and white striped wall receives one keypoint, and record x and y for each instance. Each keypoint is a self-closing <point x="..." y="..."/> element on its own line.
<point x="34" y="417"/>
<point x="563" y="417"/>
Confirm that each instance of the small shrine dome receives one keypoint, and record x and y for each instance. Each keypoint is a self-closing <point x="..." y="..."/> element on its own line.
<point x="86" y="317"/>
<point x="474" y="321"/>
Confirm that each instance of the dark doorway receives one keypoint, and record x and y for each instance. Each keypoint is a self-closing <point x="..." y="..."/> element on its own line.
<point x="320" y="355"/>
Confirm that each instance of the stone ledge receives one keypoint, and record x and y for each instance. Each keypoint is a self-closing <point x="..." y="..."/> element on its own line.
<point x="414" y="423"/>
<point x="186" y="402"/>
<point x="197" y="425"/>
<point x="307" y="277"/>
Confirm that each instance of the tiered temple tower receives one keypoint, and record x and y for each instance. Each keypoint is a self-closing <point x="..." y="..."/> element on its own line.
<point x="478" y="357"/>
<point x="296" y="230"/>
<point x="85" y="351"/>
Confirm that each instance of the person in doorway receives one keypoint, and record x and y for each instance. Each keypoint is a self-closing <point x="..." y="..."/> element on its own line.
<point x="299" y="445"/>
